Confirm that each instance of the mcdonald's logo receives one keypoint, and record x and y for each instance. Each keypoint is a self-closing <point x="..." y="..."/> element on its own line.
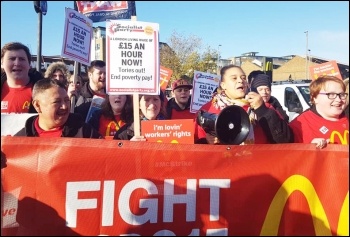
<point x="26" y="105"/>
<point x="319" y="217"/>
<point x="343" y="139"/>
<point x="112" y="127"/>
<point x="268" y="66"/>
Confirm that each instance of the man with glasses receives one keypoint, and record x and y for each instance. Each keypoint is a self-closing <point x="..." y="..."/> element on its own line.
<point x="178" y="107"/>
<point x="325" y="122"/>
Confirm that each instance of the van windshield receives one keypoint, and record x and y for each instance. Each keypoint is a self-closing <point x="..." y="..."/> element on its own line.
<point x="305" y="92"/>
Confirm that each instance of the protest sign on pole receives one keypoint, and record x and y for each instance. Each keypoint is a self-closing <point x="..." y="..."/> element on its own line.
<point x="165" y="75"/>
<point x="77" y="37"/>
<point x="203" y="86"/>
<point x="132" y="60"/>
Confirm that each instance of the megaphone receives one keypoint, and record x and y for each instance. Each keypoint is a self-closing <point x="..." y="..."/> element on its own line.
<point x="230" y="126"/>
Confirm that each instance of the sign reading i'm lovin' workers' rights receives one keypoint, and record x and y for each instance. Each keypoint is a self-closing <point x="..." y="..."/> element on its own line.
<point x="132" y="57"/>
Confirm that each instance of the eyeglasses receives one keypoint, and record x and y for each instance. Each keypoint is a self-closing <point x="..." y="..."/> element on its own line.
<point x="332" y="96"/>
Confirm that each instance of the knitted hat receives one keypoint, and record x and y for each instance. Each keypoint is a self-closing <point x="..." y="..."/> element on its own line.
<point x="261" y="80"/>
<point x="181" y="83"/>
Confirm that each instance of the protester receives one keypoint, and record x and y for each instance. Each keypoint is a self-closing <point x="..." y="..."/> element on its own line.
<point x="325" y="121"/>
<point x="51" y="101"/>
<point x="261" y="83"/>
<point x="95" y="86"/>
<point x="74" y="88"/>
<point x="151" y="108"/>
<point x="266" y="125"/>
<point x="346" y="110"/>
<point x="178" y="107"/>
<point x="17" y="79"/>
<point x="58" y="71"/>
<point x="116" y="111"/>
<point x="252" y="76"/>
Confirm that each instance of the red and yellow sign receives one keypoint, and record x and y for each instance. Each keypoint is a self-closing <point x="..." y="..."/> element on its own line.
<point x="76" y="186"/>
<point x="165" y="75"/>
<point x="329" y="68"/>
<point x="168" y="131"/>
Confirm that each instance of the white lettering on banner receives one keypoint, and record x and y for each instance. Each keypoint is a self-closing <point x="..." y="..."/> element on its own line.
<point x="74" y="204"/>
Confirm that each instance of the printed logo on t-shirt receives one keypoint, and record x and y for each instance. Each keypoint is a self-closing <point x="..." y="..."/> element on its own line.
<point x="4" y="104"/>
<point x="323" y="130"/>
<point x="26" y="105"/>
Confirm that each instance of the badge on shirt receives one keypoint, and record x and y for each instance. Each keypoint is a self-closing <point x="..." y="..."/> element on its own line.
<point x="323" y="130"/>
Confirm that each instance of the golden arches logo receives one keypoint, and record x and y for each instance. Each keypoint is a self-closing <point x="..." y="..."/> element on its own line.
<point x="116" y="125"/>
<point x="343" y="139"/>
<point x="319" y="217"/>
<point x="268" y="66"/>
<point x="26" y="105"/>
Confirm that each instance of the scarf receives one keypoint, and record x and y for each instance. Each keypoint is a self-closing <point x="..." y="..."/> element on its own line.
<point x="221" y="101"/>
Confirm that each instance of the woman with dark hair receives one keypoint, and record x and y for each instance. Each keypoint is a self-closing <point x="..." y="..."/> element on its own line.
<point x="266" y="126"/>
<point x="116" y="111"/>
<point x="152" y="107"/>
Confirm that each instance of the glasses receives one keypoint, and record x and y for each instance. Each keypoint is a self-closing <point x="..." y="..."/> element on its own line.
<point x="332" y="96"/>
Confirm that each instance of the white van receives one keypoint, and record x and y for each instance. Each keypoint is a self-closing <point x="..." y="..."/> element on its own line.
<point x="294" y="96"/>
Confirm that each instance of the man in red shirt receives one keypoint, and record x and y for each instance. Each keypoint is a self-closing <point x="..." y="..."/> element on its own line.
<point x="178" y="107"/>
<point x="17" y="79"/>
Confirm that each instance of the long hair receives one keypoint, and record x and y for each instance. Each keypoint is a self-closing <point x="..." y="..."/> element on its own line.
<point x="162" y="112"/>
<point x="126" y="115"/>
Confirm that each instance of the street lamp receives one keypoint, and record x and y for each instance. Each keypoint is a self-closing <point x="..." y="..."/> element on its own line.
<point x="217" y="63"/>
<point x="306" y="55"/>
<point x="40" y="7"/>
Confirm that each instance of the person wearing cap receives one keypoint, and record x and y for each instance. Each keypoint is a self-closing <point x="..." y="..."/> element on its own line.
<point x="266" y="125"/>
<point x="261" y="84"/>
<point x="178" y="107"/>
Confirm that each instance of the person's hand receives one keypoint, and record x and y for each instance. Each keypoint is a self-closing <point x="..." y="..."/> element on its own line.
<point x="138" y="139"/>
<point x="320" y="142"/>
<point x="72" y="90"/>
<point x="255" y="100"/>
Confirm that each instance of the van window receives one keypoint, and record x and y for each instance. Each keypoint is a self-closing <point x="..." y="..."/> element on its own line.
<point x="305" y="92"/>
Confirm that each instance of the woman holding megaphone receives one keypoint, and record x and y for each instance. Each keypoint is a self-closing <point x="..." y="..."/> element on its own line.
<point x="265" y="125"/>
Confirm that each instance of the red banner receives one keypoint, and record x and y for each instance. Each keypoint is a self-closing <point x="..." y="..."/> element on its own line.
<point x="72" y="186"/>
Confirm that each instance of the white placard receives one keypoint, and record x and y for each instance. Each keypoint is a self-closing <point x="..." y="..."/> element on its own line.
<point x="203" y="86"/>
<point x="132" y="63"/>
<point x="77" y="37"/>
<point x="12" y="123"/>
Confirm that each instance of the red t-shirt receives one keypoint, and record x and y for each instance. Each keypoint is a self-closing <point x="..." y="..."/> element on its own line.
<point x="109" y="127"/>
<point x="309" y="125"/>
<point x="51" y="133"/>
<point x="16" y="100"/>
<point x="183" y="114"/>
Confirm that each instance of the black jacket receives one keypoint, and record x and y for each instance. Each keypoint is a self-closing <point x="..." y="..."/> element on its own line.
<point x="83" y="102"/>
<point x="125" y="133"/>
<point x="173" y="105"/>
<point x="276" y="104"/>
<point x="34" y="76"/>
<point x="74" y="127"/>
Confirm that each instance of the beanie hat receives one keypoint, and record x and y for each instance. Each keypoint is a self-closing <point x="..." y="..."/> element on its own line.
<point x="261" y="80"/>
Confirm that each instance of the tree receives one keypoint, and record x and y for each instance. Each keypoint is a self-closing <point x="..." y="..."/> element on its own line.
<point x="183" y="56"/>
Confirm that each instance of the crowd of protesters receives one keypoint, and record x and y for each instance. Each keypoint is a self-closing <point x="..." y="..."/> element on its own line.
<point x="25" y="90"/>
